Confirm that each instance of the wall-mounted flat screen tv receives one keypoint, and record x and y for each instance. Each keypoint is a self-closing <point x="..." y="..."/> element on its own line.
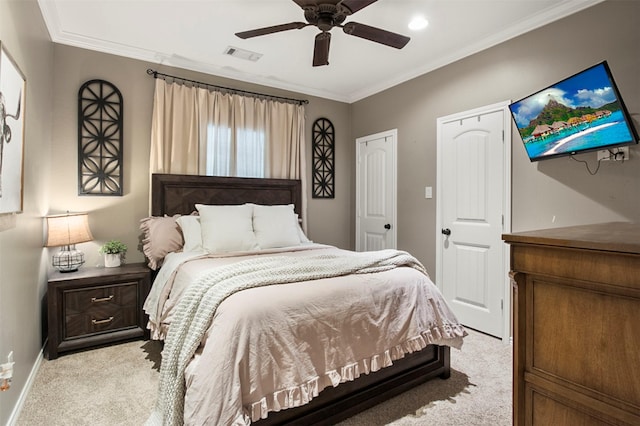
<point x="584" y="112"/>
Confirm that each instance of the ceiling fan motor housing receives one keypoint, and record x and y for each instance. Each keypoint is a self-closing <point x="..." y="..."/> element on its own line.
<point x="326" y="15"/>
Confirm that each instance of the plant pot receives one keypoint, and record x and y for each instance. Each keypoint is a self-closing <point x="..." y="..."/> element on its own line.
<point x="112" y="260"/>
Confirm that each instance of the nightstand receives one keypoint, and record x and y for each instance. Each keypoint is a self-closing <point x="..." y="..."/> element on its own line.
<point x="94" y="306"/>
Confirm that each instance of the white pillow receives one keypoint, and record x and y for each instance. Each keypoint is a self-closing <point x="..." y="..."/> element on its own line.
<point x="301" y="234"/>
<point x="227" y="228"/>
<point x="191" y="231"/>
<point x="275" y="226"/>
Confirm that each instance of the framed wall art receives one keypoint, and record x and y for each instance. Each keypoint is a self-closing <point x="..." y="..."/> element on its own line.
<point x="99" y="139"/>
<point x="12" y="107"/>
<point x="323" y="134"/>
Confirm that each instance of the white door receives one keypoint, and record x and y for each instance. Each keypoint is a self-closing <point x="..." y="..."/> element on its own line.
<point x="376" y="191"/>
<point x="473" y="205"/>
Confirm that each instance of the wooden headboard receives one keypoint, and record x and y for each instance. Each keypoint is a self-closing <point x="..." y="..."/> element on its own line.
<point x="178" y="194"/>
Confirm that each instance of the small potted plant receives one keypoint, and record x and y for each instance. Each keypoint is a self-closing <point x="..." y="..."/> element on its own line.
<point x="114" y="252"/>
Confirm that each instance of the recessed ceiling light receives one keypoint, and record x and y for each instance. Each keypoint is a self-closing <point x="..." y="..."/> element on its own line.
<point x="418" y="23"/>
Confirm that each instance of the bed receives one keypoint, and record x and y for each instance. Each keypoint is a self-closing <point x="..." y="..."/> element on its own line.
<point x="328" y="397"/>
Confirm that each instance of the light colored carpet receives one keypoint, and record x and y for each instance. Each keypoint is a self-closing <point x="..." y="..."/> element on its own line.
<point x="117" y="385"/>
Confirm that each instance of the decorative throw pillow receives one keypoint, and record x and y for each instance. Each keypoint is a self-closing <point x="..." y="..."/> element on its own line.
<point x="161" y="235"/>
<point x="275" y="226"/>
<point x="227" y="228"/>
<point x="191" y="231"/>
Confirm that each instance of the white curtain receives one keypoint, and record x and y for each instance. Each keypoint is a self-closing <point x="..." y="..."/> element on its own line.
<point x="200" y="131"/>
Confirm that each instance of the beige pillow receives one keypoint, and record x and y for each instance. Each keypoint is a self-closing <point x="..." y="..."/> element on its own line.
<point x="161" y="235"/>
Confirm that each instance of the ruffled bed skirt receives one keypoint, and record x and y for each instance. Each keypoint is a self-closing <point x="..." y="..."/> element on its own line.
<point x="157" y="332"/>
<point x="448" y="334"/>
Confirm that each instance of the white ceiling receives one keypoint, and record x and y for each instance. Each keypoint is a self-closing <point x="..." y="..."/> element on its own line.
<point x="193" y="34"/>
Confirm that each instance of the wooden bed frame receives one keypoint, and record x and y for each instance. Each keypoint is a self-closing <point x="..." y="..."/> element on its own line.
<point x="178" y="194"/>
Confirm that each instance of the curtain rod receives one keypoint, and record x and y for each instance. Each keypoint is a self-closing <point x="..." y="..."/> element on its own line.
<point x="157" y="74"/>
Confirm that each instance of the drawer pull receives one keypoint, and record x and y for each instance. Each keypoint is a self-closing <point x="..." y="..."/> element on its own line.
<point x="104" y="321"/>
<point x="101" y="299"/>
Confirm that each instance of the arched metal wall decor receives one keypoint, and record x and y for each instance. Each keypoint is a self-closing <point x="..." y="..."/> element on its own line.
<point x="323" y="144"/>
<point x="99" y="139"/>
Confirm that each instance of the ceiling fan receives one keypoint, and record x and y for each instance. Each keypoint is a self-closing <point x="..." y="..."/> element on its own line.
<point x="327" y="14"/>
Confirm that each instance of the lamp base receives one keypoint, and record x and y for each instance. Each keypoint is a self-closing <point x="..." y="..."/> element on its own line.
<point x="68" y="259"/>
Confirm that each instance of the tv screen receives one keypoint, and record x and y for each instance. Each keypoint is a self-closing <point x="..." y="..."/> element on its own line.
<point x="581" y="113"/>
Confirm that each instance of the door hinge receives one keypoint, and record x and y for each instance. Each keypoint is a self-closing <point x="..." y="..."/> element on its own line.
<point x="502" y="304"/>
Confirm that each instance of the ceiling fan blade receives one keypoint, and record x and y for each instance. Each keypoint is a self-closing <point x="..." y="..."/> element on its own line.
<point x="271" y="30"/>
<point x="321" y="49"/>
<point x="376" y="34"/>
<point x="356" y="5"/>
<point x="303" y="3"/>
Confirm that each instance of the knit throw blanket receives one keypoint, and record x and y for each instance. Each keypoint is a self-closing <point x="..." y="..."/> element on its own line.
<point x="195" y="311"/>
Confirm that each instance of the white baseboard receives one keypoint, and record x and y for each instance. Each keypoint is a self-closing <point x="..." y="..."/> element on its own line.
<point x="15" y="414"/>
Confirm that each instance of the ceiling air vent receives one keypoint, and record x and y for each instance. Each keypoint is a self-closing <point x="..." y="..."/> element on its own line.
<point x="242" y="54"/>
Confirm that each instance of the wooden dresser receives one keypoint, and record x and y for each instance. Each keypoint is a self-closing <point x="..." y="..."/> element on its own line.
<point x="576" y="325"/>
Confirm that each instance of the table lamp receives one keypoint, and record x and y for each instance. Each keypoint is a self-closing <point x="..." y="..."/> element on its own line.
<point x="65" y="231"/>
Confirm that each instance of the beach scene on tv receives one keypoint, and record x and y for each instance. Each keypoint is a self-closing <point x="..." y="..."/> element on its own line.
<point x="577" y="114"/>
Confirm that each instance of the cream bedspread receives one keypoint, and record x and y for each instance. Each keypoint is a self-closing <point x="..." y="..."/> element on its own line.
<point x="274" y="347"/>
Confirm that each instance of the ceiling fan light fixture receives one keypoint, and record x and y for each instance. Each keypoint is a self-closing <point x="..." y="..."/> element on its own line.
<point x="418" y="23"/>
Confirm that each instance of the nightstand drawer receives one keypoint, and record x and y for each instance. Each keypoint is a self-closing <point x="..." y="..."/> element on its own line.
<point x="100" y="309"/>
<point x="100" y="299"/>
<point x="84" y="324"/>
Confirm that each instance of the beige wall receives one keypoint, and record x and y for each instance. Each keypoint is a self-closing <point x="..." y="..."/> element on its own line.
<point x="22" y="258"/>
<point x="118" y="217"/>
<point x="559" y="187"/>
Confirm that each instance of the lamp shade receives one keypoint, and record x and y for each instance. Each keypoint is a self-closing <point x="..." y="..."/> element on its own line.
<point x="68" y="229"/>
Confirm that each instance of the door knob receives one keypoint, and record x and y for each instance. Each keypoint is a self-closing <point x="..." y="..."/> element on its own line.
<point x="387" y="226"/>
<point x="446" y="231"/>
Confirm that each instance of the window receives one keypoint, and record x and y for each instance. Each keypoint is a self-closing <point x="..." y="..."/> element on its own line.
<point x="242" y="156"/>
<point x="200" y="131"/>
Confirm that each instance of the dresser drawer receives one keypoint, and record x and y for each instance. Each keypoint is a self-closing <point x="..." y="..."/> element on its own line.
<point x="580" y="335"/>
<point x="100" y="309"/>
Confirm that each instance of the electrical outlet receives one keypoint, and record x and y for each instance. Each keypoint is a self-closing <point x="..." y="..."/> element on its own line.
<point x="6" y="373"/>
<point x="6" y="370"/>
<point x="615" y="154"/>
